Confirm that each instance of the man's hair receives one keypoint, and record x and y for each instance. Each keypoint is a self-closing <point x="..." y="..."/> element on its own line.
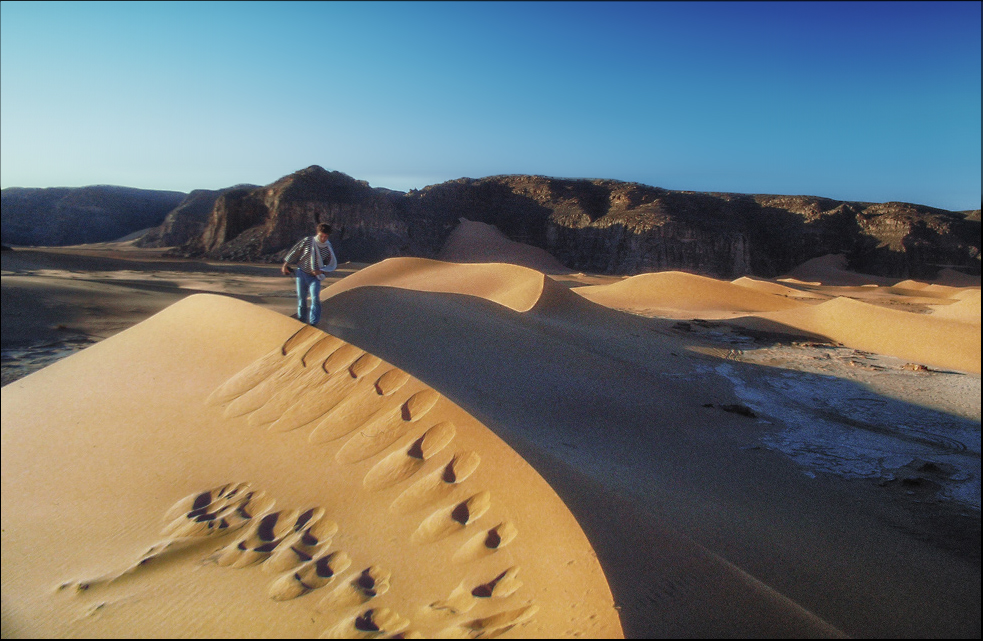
<point x="324" y="228"/>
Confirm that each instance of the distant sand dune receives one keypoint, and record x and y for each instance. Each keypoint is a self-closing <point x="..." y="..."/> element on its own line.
<point x="476" y="242"/>
<point x="952" y="278"/>
<point x="966" y="309"/>
<point x="831" y="270"/>
<point x="922" y="338"/>
<point x="516" y="287"/>
<point x="771" y="287"/>
<point x="678" y="294"/>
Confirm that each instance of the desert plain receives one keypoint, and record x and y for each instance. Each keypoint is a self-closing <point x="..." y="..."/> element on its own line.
<point x="485" y="444"/>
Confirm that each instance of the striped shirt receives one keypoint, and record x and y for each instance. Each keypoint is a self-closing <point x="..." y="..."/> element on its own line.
<point x="302" y="254"/>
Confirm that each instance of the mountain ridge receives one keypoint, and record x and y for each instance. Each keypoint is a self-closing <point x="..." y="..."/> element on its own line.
<point x="78" y="215"/>
<point x="595" y="225"/>
<point x="590" y="225"/>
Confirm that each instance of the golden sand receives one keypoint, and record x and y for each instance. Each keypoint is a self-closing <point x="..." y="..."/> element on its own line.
<point x="258" y="476"/>
<point x="478" y="446"/>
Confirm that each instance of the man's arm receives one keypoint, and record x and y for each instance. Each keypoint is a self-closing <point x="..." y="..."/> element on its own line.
<point x="291" y="256"/>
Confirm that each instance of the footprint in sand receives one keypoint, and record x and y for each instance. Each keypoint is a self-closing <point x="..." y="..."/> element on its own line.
<point x="189" y="522"/>
<point x="323" y="360"/>
<point x="387" y="427"/>
<point x="439" y="486"/>
<point x="371" y="624"/>
<point x="358" y="407"/>
<point x="310" y="576"/>
<point x="261" y="540"/>
<point x="266" y="367"/>
<point x="220" y="510"/>
<point x="407" y="461"/>
<point x="464" y="598"/>
<point x="302" y="546"/>
<point x="334" y="389"/>
<point x="315" y="403"/>
<point x="486" y="543"/>
<point x="370" y="583"/>
<point x="451" y="520"/>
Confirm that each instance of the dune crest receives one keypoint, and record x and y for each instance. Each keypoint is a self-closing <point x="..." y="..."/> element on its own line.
<point x="513" y="286"/>
<point x="383" y="510"/>
<point x="778" y="289"/>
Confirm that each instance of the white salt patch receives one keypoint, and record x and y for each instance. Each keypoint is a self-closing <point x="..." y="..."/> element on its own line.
<point x="838" y="426"/>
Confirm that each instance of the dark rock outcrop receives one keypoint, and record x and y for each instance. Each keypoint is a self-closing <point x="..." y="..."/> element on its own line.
<point x="76" y="215"/>
<point x="187" y="220"/>
<point x="603" y="226"/>
<point x="263" y="223"/>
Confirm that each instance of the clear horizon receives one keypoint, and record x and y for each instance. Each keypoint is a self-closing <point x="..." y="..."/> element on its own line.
<point x="857" y="101"/>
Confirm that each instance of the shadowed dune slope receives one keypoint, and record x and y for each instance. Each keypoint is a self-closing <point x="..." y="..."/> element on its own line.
<point x="559" y="396"/>
<point x="699" y="533"/>
<point x="952" y="278"/>
<point x="831" y="269"/>
<point x="223" y="470"/>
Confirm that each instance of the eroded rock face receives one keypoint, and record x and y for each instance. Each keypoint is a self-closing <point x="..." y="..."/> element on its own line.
<point x="76" y="215"/>
<point x="188" y="220"/>
<point x="601" y="226"/>
<point x="264" y="222"/>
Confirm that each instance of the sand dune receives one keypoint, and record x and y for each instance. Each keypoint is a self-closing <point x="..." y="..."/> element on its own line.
<point x="949" y="337"/>
<point x="771" y="287"/>
<point x="966" y="309"/>
<point x="680" y="295"/>
<point x="476" y="242"/>
<point x="832" y="270"/>
<point x="516" y="287"/>
<point x="924" y="339"/>
<point x="952" y="278"/>
<point x="243" y="475"/>
<point x="617" y="397"/>
<point x="478" y="449"/>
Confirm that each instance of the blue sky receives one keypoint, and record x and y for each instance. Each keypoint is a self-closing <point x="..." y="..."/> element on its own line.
<point x="855" y="101"/>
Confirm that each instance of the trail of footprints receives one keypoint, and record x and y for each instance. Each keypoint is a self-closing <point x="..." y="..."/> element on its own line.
<point x="338" y="392"/>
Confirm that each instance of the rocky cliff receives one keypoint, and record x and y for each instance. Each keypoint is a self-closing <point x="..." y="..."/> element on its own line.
<point x="264" y="222"/>
<point x="188" y="220"/>
<point x="604" y="226"/>
<point x="75" y="215"/>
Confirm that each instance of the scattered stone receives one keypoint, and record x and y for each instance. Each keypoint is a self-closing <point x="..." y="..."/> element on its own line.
<point x="930" y="467"/>
<point x="743" y="410"/>
<point x="915" y="367"/>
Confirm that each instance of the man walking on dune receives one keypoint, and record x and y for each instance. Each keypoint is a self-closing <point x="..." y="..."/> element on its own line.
<point x="308" y="257"/>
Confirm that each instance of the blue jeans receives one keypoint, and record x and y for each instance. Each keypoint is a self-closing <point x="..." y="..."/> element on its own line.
<point x="308" y="286"/>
